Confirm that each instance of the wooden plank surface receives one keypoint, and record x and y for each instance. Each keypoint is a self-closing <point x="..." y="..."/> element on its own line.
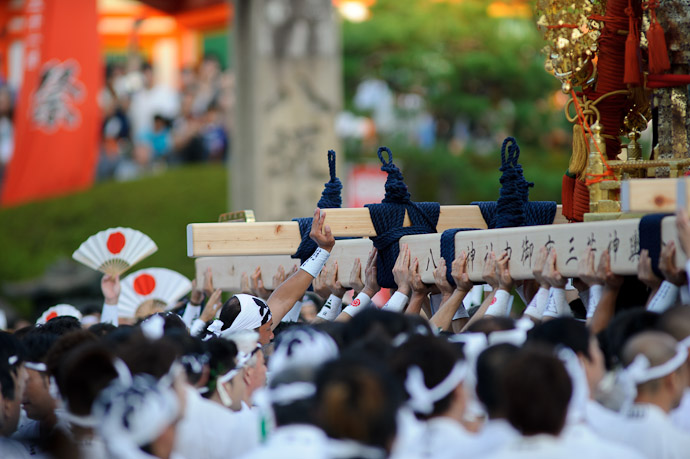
<point x="620" y="237"/>
<point x="227" y="271"/>
<point x="649" y="195"/>
<point x="345" y="252"/>
<point x="282" y="238"/>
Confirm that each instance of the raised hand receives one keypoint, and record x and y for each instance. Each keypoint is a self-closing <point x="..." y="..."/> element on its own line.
<point x="586" y="270"/>
<point x="667" y="265"/>
<point x="489" y="273"/>
<point x="333" y="283"/>
<point x="257" y="285"/>
<point x="279" y="277"/>
<point x="320" y="285"/>
<point x="371" y="283"/>
<point x="611" y="280"/>
<point x="416" y="283"/>
<point x="538" y="268"/>
<point x="320" y="233"/>
<point x="551" y="273"/>
<point x="212" y="307"/>
<point x="244" y="284"/>
<point x="683" y="225"/>
<point x="441" y="280"/>
<point x="645" y="272"/>
<point x="401" y="270"/>
<point x="197" y="296"/>
<point x="505" y="281"/>
<point x="459" y="273"/>
<point x="356" y="276"/>
<point x="110" y="287"/>
<point x="208" y="282"/>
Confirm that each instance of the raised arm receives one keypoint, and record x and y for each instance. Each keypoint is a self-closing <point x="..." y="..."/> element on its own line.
<point x="292" y="290"/>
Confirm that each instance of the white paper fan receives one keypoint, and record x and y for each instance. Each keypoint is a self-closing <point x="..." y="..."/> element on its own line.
<point x="115" y="250"/>
<point x="58" y="310"/>
<point x="160" y="286"/>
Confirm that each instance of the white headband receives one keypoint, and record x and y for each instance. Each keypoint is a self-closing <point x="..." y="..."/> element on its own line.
<point x="12" y="359"/>
<point x="285" y="394"/>
<point x="254" y="312"/>
<point x="641" y="370"/>
<point x="578" y="378"/>
<point x="37" y="366"/>
<point x="422" y="398"/>
<point x="153" y="327"/>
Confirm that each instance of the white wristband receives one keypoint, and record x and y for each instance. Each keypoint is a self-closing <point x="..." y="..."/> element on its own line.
<point x="293" y="314"/>
<point x="331" y="308"/>
<point x="361" y="302"/>
<point x="197" y="327"/>
<point x="521" y="293"/>
<point x="595" y="292"/>
<point x="537" y="306"/>
<point x="584" y="297"/>
<point x="109" y="314"/>
<point x="500" y="305"/>
<point x="664" y="298"/>
<point x="315" y="263"/>
<point x="190" y="314"/>
<point x="397" y="302"/>
<point x="557" y="304"/>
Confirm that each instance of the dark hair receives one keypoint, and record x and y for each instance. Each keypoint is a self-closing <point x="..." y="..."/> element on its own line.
<point x="621" y="328"/>
<point x="491" y="365"/>
<point x="489" y="325"/>
<point x="171" y="321"/>
<point x="102" y="329"/>
<point x="59" y="325"/>
<point x="562" y="331"/>
<point x="85" y="372"/>
<point x="229" y="311"/>
<point x="64" y="346"/>
<point x="222" y="353"/>
<point x="300" y="411"/>
<point x="37" y="345"/>
<point x="145" y="356"/>
<point x="357" y="399"/>
<point x="538" y="390"/>
<point x="191" y="351"/>
<point x="435" y="356"/>
<point x="9" y="347"/>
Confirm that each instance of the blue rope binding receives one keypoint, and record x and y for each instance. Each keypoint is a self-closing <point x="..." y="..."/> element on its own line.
<point x="330" y="199"/>
<point x="649" y="230"/>
<point x="513" y="207"/>
<point x="388" y="217"/>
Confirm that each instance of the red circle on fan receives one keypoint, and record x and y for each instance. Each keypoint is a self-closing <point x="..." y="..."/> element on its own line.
<point x="51" y="316"/>
<point x="116" y="242"/>
<point x="144" y="284"/>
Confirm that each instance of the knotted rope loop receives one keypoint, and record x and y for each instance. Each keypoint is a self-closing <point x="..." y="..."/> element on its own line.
<point x="330" y="199"/>
<point x="388" y="218"/>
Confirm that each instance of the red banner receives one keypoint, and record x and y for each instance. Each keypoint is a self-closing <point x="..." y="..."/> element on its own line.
<point x="57" y="121"/>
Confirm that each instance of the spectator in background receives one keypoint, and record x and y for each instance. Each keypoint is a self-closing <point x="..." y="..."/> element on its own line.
<point x="6" y="129"/>
<point x="149" y="101"/>
<point x="116" y="143"/>
<point x="154" y="145"/>
<point x="187" y="141"/>
<point x="215" y="138"/>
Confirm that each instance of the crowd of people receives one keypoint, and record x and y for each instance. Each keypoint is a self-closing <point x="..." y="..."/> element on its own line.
<point x="598" y="371"/>
<point x="148" y="125"/>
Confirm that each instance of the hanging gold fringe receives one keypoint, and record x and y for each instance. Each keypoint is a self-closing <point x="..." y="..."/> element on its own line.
<point x="578" y="160"/>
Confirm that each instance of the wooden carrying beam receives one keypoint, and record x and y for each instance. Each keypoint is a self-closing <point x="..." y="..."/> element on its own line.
<point x="620" y="237"/>
<point x="227" y="271"/>
<point x="283" y="238"/>
<point x="652" y="195"/>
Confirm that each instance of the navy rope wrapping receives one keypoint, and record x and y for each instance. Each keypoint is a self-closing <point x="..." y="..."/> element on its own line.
<point x="388" y="218"/>
<point x="448" y="250"/>
<point x="650" y="238"/>
<point x="513" y="207"/>
<point x="330" y="199"/>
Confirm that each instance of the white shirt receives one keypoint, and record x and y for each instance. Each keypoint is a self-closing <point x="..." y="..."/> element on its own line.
<point x="495" y="434"/>
<point x="299" y="441"/>
<point x="649" y="431"/>
<point x="13" y="449"/>
<point x="147" y="103"/>
<point x="409" y="429"/>
<point x="209" y="430"/>
<point x="441" y="437"/>
<point x="581" y="438"/>
<point x="538" y="447"/>
<point x="680" y="417"/>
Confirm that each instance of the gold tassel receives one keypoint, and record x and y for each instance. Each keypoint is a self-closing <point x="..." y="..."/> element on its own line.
<point x="578" y="160"/>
